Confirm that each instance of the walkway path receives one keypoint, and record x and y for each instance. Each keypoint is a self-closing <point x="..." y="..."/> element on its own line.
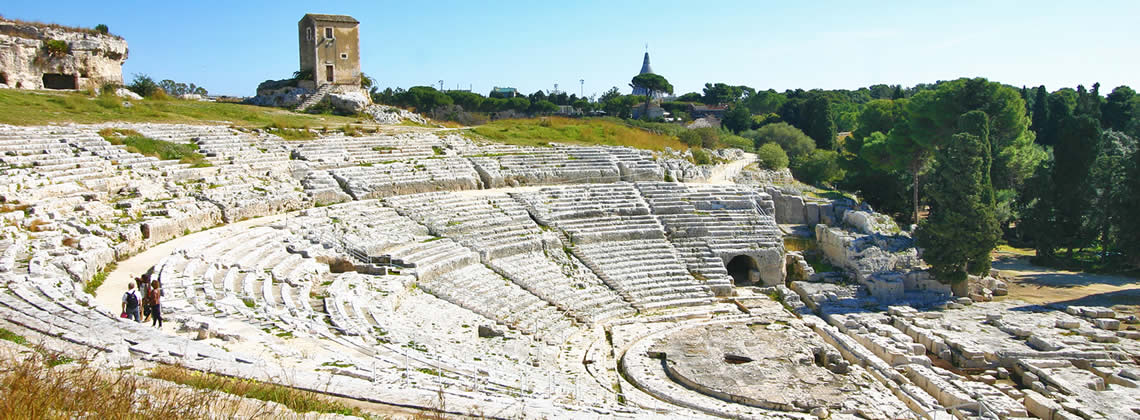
<point x="1043" y="285"/>
<point x="109" y="294"/>
<point x="724" y="174"/>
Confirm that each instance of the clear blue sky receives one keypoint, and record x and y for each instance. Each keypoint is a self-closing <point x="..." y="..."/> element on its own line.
<point x="231" y="46"/>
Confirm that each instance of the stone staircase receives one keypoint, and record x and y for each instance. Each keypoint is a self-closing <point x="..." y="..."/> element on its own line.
<point x="321" y="92"/>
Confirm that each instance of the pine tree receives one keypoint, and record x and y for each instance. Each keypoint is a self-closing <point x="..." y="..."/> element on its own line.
<point x="1117" y="109"/>
<point x="962" y="228"/>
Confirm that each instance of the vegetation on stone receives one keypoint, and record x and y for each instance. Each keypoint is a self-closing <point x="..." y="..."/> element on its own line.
<point x="164" y="150"/>
<point x="37" y="108"/>
<point x="542" y="132"/>
<point x="297" y="400"/>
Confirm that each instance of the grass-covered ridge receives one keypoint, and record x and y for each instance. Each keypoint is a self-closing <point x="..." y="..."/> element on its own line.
<point x="21" y="107"/>
<point x="582" y="131"/>
<point x="297" y="400"/>
<point x="164" y="150"/>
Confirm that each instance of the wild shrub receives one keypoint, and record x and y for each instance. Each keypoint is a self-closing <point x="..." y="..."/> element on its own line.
<point x="701" y="157"/>
<point x="144" y="85"/>
<point x="772" y="156"/>
<point x="57" y="48"/>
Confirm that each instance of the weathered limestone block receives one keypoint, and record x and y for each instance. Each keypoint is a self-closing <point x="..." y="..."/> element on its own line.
<point x="811" y="213"/>
<point x="1044" y="343"/>
<point x="798" y="267"/>
<point x="350" y="102"/>
<point x="1107" y="323"/>
<point x="793" y="210"/>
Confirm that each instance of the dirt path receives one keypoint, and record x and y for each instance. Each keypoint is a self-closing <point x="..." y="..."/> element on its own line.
<point x="110" y="293"/>
<point x="724" y="174"/>
<point x="1043" y="285"/>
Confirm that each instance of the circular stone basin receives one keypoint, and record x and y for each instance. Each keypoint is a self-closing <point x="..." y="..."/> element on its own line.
<point x="766" y="365"/>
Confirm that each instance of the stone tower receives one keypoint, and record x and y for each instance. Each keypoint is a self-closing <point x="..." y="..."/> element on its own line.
<point x="330" y="48"/>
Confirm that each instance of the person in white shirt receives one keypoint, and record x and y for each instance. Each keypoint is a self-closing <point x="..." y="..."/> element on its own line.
<point x="131" y="302"/>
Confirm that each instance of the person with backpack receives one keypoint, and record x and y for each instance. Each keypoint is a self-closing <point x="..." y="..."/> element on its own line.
<point x="154" y="298"/>
<point x="131" y="303"/>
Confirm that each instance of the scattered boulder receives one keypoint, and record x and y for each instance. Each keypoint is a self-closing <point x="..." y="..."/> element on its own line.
<point x="127" y="93"/>
<point x="350" y="102"/>
<point x="486" y="331"/>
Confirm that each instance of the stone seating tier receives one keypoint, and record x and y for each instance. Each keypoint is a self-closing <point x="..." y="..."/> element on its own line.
<point x="648" y="271"/>
<point x="583" y="295"/>
<point x="481" y="290"/>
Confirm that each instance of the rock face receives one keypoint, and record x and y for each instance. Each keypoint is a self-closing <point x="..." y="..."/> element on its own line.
<point x="285" y="93"/>
<point x="350" y="102"/>
<point x="90" y="60"/>
<point x="384" y="114"/>
<point x="292" y="93"/>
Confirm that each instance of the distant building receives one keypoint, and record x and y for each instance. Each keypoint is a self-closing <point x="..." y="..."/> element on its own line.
<point x="504" y="92"/>
<point x="655" y="111"/>
<point x="568" y="111"/>
<point x="330" y="48"/>
<point x="646" y="69"/>
<point x="700" y="111"/>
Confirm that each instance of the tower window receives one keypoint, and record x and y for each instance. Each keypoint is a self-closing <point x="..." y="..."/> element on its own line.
<point x="309" y="33"/>
<point x="343" y="56"/>
<point x="328" y="33"/>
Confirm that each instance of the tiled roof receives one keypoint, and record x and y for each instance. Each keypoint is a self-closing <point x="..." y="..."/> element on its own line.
<point x="332" y="18"/>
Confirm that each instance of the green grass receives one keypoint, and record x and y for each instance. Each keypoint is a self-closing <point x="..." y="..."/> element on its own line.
<point x="164" y="150"/>
<point x="98" y="279"/>
<point x="1024" y="252"/>
<point x="20" y="107"/>
<point x="583" y="131"/>
<point x="13" y="337"/>
<point x="297" y="400"/>
<point x="830" y="194"/>
<point x="293" y="133"/>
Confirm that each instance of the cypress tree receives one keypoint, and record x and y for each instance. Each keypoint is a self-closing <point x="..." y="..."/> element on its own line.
<point x="1077" y="144"/>
<point x="1130" y="226"/>
<point x="1059" y="110"/>
<point x="1040" y="112"/>
<point x="962" y="228"/>
<point x="820" y="124"/>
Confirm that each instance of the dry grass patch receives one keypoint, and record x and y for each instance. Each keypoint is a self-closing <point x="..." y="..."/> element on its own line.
<point x="43" y="386"/>
<point x="295" y="399"/>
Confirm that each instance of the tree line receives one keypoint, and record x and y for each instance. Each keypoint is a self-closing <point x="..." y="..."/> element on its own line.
<point x="972" y="162"/>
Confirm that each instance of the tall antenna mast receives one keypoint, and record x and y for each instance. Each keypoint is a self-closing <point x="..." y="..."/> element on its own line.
<point x="582" y="91"/>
